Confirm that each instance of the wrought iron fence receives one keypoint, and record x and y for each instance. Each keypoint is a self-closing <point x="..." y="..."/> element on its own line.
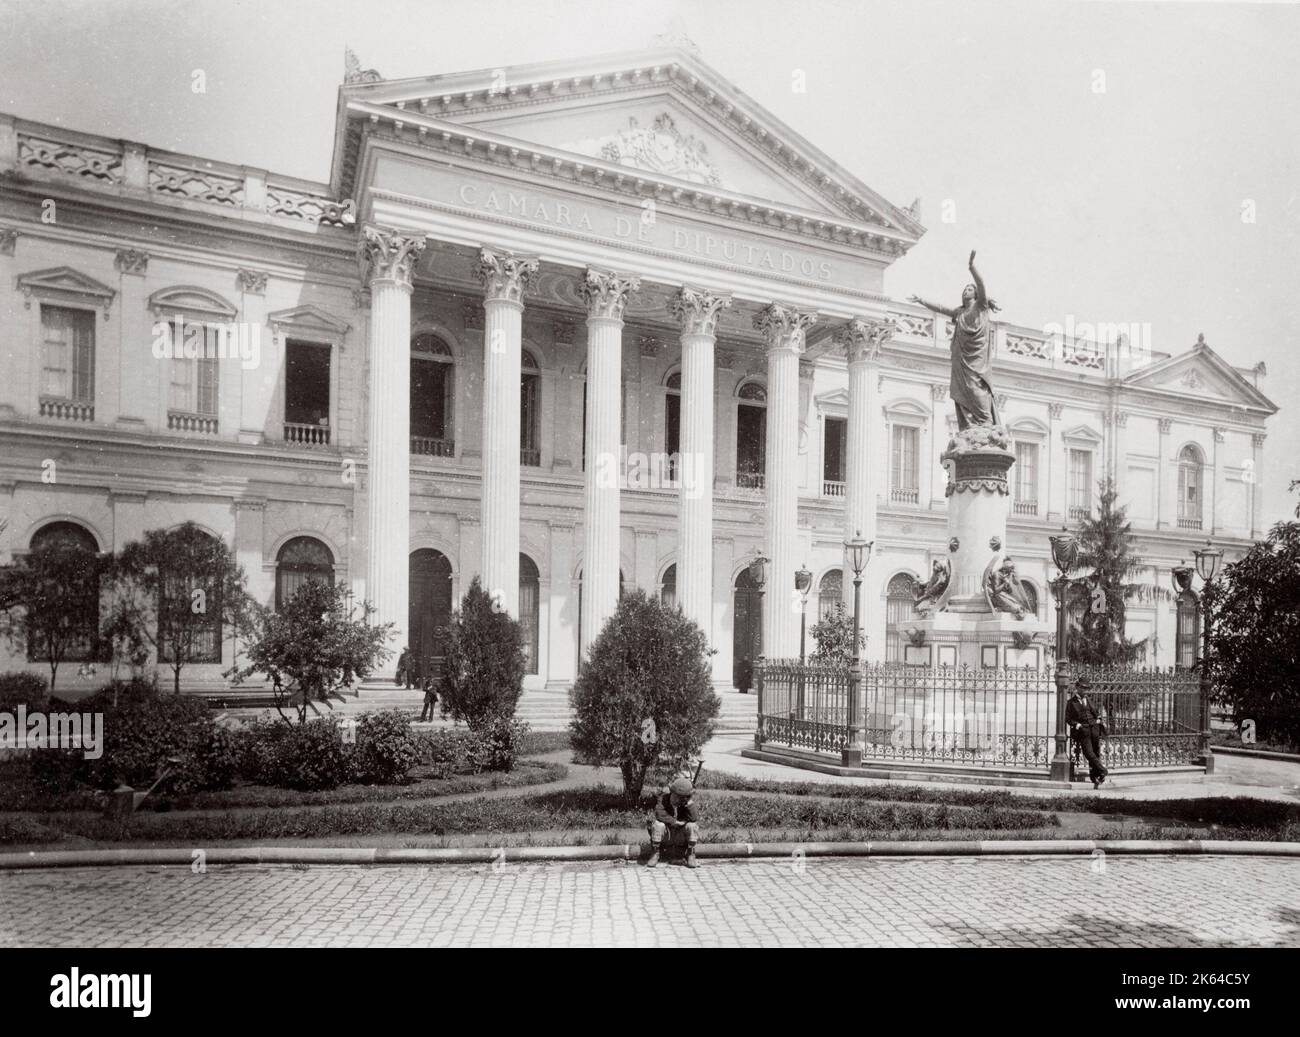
<point x="973" y="717"/>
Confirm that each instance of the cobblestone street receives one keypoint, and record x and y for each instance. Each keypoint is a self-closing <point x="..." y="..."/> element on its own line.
<point x="1003" y="902"/>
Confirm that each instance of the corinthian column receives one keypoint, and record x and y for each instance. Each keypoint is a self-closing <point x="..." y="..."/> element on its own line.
<point x="697" y="310"/>
<point x="388" y="259"/>
<point x="605" y="295"/>
<point x="784" y="328"/>
<point x="505" y="278"/>
<point x="862" y="340"/>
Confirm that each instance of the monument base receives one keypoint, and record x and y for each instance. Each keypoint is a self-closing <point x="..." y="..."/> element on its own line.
<point x="992" y="640"/>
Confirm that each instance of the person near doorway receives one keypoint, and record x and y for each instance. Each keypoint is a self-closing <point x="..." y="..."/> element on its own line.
<point x="1086" y="728"/>
<point x="745" y="676"/>
<point x="403" y="675"/>
<point x="430" y="683"/>
<point x="674" y="821"/>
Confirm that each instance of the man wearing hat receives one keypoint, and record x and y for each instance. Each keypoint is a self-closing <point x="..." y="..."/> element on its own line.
<point x="1085" y="728"/>
<point x="676" y="821"/>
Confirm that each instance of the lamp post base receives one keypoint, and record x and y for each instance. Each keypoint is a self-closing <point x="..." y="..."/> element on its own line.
<point x="1207" y="761"/>
<point x="1060" y="768"/>
<point x="851" y="757"/>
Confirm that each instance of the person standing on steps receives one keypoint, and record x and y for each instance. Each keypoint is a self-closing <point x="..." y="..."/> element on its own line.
<point x="1086" y="729"/>
<point x="675" y="821"/>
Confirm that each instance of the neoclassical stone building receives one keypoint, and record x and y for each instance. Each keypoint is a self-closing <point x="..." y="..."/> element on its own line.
<point x="569" y="327"/>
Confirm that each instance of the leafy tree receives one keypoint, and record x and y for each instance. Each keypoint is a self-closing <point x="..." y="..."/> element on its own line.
<point x="645" y="693"/>
<point x="1098" y="602"/>
<point x="1254" y="643"/>
<point x="483" y="670"/>
<point x="53" y="591"/>
<point x="834" y="637"/>
<point x="315" y="645"/>
<point x="169" y="589"/>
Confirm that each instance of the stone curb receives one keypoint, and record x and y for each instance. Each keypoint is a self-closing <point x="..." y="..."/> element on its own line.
<point x="634" y="851"/>
<point x="1259" y="754"/>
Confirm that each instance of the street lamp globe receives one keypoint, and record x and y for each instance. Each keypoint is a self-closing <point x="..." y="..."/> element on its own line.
<point x="803" y="581"/>
<point x="1207" y="561"/>
<point x="859" y="550"/>
<point x="1065" y="550"/>
<point x="1182" y="577"/>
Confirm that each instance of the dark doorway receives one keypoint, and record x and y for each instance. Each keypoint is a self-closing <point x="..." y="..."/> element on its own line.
<point x="747" y="630"/>
<point x="429" y="607"/>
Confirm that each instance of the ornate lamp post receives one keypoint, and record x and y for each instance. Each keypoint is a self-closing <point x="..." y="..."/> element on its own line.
<point x="758" y="573"/>
<point x="1207" y="567"/>
<point x="858" y="551"/>
<point x="802" y="584"/>
<point x="1065" y="553"/>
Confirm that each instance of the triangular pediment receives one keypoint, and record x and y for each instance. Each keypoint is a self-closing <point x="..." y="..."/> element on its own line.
<point x="63" y="282"/>
<point x="836" y="398"/>
<point x="1201" y="374"/>
<point x="308" y="318"/>
<point x="663" y="115"/>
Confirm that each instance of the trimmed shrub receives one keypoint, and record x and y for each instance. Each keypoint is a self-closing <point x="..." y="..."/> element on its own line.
<point x="19" y="688"/>
<point x="143" y="731"/>
<point x="483" y="669"/>
<point x="385" y="747"/>
<point x="645" y="695"/>
<point x="311" y="756"/>
<point x="443" y="752"/>
<point x="494" y="746"/>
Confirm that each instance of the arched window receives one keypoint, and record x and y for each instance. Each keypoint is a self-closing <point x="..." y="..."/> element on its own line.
<point x="751" y="436"/>
<point x="300" y="560"/>
<point x="830" y="592"/>
<point x="81" y="593"/>
<point x="204" y="638"/>
<point x="673" y="422"/>
<point x="1191" y="466"/>
<point x="1031" y="592"/>
<point x="433" y="391"/>
<point x="899" y="609"/>
<point x="668" y="586"/>
<point x="530" y="611"/>
<point x="1187" y="642"/>
<point x="530" y="411"/>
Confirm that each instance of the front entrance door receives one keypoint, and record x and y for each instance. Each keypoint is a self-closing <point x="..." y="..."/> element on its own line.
<point x="747" y="630"/>
<point x="429" y="608"/>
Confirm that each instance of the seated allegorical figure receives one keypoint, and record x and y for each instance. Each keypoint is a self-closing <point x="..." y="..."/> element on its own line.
<point x="1006" y="592"/>
<point x="928" y="595"/>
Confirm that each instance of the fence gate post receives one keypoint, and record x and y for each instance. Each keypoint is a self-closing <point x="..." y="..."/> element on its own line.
<point x="851" y="754"/>
<point x="759" y="735"/>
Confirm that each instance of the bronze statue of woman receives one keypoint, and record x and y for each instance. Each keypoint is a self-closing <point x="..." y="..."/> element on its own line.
<point x="972" y="352"/>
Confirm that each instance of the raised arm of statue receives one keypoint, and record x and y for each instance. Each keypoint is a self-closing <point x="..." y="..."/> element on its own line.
<point x="935" y="307"/>
<point x="981" y="293"/>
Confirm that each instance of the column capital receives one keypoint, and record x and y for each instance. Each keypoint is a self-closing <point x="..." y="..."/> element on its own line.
<point x="862" y="337"/>
<point x="783" y="326"/>
<point x="387" y="255"/>
<point x="1257" y="439"/>
<point x="606" y="294"/>
<point x="8" y="236"/>
<point x="697" y="309"/>
<point x="505" y="276"/>
<point x="251" y="281"/>
<point x="1165" y="425"/>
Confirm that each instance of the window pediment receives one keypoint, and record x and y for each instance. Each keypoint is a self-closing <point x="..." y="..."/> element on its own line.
<point x="191" y="301"/>
<point x="1082" y="436"/>
<point x="308" y="321"/>
<point x="907" y="411"/>
<point x="1028" y="428"/>
<point x="64" y="284"/>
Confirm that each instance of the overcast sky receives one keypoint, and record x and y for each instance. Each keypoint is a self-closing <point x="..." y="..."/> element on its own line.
<point x="1117" y="206"/>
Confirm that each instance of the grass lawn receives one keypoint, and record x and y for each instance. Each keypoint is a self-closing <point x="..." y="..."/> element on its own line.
<point x="1232" y="740"/>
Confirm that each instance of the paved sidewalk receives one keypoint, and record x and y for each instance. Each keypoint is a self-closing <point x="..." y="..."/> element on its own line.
<point x="1003" y="902"/>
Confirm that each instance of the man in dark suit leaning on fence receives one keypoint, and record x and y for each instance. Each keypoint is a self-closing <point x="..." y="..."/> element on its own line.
<point x="1082" y="719"/>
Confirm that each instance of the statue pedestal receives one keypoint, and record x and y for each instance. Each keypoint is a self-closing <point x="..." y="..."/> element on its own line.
<point x="966" y="626"/>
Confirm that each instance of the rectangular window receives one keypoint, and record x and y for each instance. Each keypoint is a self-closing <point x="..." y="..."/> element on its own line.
<point x="200" y="639"/>
<point x="751" y="446"/>
<point x="1080" y="482"/>
<point x="530" y="420"/>
<point x="431" y="403"/>
<point x="68" y="354"/>
<point x="193" y="386"/>
<point x="835" y="455"/>
<point x="1026" y="473"/>
<point x="307" y="384"/>
<point x="903" y="473"/>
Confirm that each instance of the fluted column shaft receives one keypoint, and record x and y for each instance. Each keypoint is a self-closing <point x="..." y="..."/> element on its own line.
<point x="389" y="260"/>
<point x="697" y="311"/>
<point x="505" y="278"/>
<point x="605" y="295"/>
<point x="862" y="340"/>
<point x="784" y="328"/>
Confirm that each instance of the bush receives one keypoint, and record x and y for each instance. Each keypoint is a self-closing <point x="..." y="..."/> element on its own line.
<point x="145" y="729"/>
<point x="494" y="746"/>
<point x="311" y="756"/>
<point x="117" y="693"/>
<point x="483" y="670"/>
<point x="19" y="688"/>
<point x="443" y="752"/>
<point x="385" y="748"/>
<point x="645" y="694"/>
<point x="257" y="750"/>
